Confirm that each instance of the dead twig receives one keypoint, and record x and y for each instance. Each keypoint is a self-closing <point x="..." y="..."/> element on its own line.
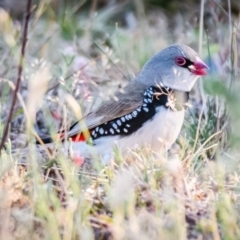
<point x="20" y="68"/>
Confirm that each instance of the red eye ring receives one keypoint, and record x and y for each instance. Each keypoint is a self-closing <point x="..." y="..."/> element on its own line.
<point x="180" y="61"/>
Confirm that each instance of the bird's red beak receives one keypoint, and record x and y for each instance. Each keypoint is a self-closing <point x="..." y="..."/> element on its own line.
<point x="199" y="67"/>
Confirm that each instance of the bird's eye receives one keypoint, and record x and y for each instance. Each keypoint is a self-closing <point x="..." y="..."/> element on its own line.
<point x="180" y="61"/>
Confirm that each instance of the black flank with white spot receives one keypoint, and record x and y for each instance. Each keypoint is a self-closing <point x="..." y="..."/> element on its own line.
<point x="131" y="122"/>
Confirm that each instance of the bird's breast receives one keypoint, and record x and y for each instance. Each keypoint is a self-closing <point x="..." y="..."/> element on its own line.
<point x="159" y="133"/>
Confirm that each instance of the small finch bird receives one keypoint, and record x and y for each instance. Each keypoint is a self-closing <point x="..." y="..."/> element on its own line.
<point x="149" y="112"/>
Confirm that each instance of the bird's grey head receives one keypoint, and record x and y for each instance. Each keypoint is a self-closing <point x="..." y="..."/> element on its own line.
<point x="176" y="66"/>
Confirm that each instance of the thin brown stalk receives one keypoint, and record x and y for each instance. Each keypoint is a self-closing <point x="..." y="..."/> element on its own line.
<point x="201" y="26"/>
<point x="20" y="68"/>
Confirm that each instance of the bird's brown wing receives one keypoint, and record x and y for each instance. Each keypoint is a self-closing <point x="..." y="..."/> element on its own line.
<point x="124" y="103"/>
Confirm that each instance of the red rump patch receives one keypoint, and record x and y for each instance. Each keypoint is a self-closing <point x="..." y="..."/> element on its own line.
<point x="80" y="137"/>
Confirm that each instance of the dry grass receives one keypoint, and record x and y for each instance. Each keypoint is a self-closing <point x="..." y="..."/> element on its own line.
<point x="192" y="193"/>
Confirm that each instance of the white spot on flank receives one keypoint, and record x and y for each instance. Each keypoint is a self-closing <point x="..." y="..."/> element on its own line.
<point x="123" y="119"/>
<point x="149" y="100"/>
<point x="129" y="116"/>
<point x="134" y="114"/>
<point x="106" y="132"/>
<point x="119" y="123"/>
<point x="139" y="109"/>
<point x="145" y="100"/>
<point x="111" y="131"/>
<point x="146" y="109"/>
<point x="115" y="125"/>
<point x="118" y="130"/>
<point x="97" y="128"/>
<point x="127" y="125"/>
<point x="144" y="105"/>
<point x="125" y="130"/>
<point x="101" y="131"/>
<point x="93" y="132"/>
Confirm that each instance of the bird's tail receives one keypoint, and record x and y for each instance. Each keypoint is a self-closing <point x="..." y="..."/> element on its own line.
<point x="45" y="140"/>
<point x="62" y="135"/>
